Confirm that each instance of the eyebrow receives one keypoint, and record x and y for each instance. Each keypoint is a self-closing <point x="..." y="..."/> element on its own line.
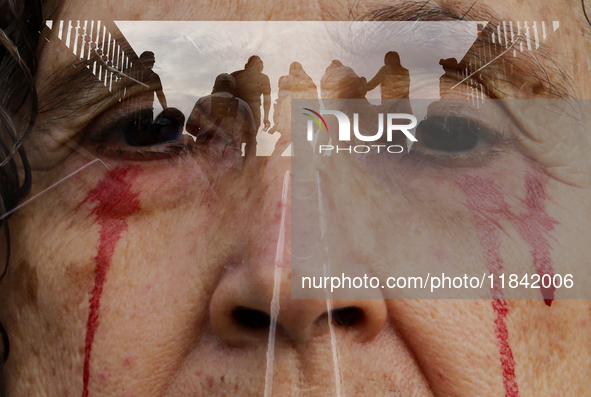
<point x="98" y="73"/>
<point x="547" y="75"/>
<point x="68" y="85"/>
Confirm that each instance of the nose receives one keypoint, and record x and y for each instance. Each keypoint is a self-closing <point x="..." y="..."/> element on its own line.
<point x="256" y="292"/>
<point x="243" y="307"/>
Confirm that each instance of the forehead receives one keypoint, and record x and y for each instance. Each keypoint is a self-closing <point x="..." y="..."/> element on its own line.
<point x="569" y="14"/>
<point x="434" y="35"/>
<point x="305" y="10"/>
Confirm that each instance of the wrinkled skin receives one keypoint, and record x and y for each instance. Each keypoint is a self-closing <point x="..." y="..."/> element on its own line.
<point x="203" y="242"/>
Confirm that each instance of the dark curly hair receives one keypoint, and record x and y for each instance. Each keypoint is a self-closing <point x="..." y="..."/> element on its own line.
<point x="20" y="25"/>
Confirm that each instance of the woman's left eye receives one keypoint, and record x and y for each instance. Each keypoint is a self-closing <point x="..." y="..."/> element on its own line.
<point x="451" y="134"/>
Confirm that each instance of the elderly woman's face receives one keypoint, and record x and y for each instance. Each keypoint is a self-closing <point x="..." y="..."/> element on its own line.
<point x="152" y="273"/>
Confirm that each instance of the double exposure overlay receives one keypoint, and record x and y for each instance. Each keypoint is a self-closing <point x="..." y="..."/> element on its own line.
<point x="389" y="201"/>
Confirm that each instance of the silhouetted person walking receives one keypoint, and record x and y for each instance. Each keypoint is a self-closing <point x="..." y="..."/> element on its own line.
<point x="145" y="130"/>
<point x="223" y="117"/>
<point x="341" y="82"/>
<point x="394" y="82"/>
<point x="251" y="83"/>
<point x="343" y="90"/>
<point x="296" y="85"/>
<point x="142" y="71"/>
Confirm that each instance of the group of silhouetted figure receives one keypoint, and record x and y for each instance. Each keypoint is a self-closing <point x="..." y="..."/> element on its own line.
<point x="232" y="112"/>
<point x="231" y="115"/>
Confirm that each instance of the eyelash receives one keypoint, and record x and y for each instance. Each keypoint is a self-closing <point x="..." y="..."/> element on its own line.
<point x="169" y="152"/>
<point x="420" y="158"/>
<point x="470" y="158"/>
<point x="114" y="133"/>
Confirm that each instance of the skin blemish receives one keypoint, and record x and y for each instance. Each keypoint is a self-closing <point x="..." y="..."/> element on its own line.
<point x="538" y="89"/>
<point x="128" y="361"/>
<point x="28" y="280"/>
<point x="102" y="376"/>
<point x="114" y="201"/>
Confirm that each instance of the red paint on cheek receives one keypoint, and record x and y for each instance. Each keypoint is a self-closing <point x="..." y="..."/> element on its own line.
<point x="487" y="207"/>
<point x="114" y="202"/>
<point x="507" y="359"/>
<point x="533" y="227"/>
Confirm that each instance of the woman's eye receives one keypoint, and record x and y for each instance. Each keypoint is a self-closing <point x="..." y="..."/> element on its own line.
<point x="138" y="135"/>
<point x="451" y="134"/>
<point x="142" y="129"/>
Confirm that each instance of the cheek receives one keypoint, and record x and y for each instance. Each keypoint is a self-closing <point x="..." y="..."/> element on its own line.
<point x="168" y="189"/>
<point x="419" y="220"/>
<point x="162" y="184"/>
<point x="489" y="208"/>
<point x="114" y="201"/>
<point x="454" y="342"/>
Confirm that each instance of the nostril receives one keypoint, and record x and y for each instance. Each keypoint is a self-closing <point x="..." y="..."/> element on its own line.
<point x="251" y="318"/>
<point x="348" y="316"/>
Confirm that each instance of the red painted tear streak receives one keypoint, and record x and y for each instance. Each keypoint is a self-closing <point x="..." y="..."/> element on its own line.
<point x="114" y="203"/>
<point x="507" y="359"/>
<point x="487" y="207"/>
<point x="533" y="227"/>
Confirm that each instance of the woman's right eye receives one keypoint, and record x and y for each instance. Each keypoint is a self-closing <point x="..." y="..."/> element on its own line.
<point x="138" y="134"/>
<point x="452" y="134"/>
<point x="141" y="129"/>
